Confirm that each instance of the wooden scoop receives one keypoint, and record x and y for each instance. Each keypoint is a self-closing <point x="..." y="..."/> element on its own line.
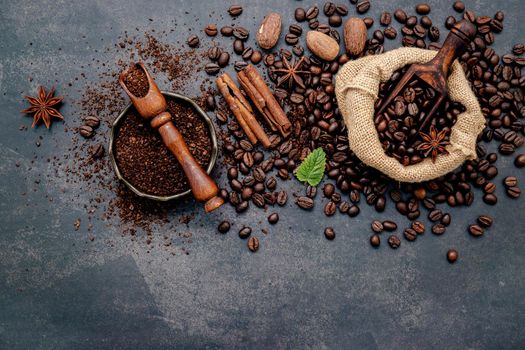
<point x="435" y="72"/>
<point x="153" y="107"/>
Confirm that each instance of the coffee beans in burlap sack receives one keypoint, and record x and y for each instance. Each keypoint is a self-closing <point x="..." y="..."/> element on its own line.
<point x="357" y="86"/>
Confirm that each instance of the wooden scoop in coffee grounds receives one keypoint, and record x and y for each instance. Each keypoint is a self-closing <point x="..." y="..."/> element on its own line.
<point x="435" y="72"/>
<point x="151" y="105"/>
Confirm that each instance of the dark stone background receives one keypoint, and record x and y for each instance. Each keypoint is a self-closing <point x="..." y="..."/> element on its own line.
<point x="58" y="290"/>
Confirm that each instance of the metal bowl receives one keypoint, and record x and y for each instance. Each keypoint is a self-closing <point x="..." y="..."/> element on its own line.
<point x="199" y="111"/>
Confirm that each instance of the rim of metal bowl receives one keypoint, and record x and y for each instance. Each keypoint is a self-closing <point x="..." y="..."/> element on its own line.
<point x="214" y="147"/>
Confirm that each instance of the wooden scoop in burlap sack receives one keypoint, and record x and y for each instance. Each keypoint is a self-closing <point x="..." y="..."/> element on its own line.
<point x="357" y="86"/>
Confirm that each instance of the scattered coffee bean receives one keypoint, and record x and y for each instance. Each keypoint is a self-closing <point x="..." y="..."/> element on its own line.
<point x="98" y="151"/>
<point x="375" y="240"/>
<point x="485" y="221"/>
<point x="245" y="232"/>
<point x="423" y="9"/>
<point x="273" y="218"/>
<point x="329" y="233"/>
<point x="86" y="131"/>
<point x="235" y="10"/>
<point x="438" y="229"/>
<point x="394" y="241"/>
<point x="476" y="230"/>
<point x="452" y="256"/>
<point x="389" y="225"/>
<point x="410" y="234"/>
<point x="224" y="226"/>
<point x="211" y="30"/>
<point x="193" y="41"/>
<point x="377" y="226"/>
<point x="253" y="244"/>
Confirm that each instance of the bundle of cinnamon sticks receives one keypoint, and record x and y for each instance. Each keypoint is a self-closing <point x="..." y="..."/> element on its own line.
<point x="263" y="99"/>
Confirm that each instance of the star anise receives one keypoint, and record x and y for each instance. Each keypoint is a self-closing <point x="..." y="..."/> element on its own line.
<point x="42" y="107"/>
<point x="291" y="73"/>
<point x="434" y="143"/>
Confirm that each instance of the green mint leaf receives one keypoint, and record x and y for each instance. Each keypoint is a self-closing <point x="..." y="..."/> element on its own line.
<point x="312" y="168"/>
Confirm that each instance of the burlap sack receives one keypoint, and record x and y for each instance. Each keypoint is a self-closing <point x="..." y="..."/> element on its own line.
<point x="357" y="85"/>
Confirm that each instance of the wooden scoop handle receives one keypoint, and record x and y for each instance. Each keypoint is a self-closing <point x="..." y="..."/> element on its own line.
<point x="454" y="46"/>
<point x="203" y="187"/>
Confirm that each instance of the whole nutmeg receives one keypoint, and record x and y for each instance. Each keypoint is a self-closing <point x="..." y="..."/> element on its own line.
<point x="322" y="45"/>
<point x="355" y="33"/>
<point x="269" y="31"/>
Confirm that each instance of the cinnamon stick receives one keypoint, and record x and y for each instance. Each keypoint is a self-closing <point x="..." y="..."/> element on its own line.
<point x="242" y="110"/>
<point x="263" y="99"/>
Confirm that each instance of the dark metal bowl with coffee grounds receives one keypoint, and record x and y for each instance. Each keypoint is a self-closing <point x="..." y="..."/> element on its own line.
<point x="145" y="164"/>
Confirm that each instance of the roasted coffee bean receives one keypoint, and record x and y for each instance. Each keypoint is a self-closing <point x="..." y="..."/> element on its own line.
<point x="485" y="221"/>
<point x="510" y="181"/>
<point x="253" y="244"/>
<point x="377" y="226"/>
<point x="212" y="68"/>
<point x="385" y="19"/>
<point x="258" y="200"/>
<point x="476" y="230"/>
<point x="305" y="202"/>
<point x="329" y="8"/>
<point x="312" y="13"/>
<point x="241" y="207"/>
<point x="438" y="229"/>
<point x="295" y="29"/>
<point x="86" y="131"/>
<point x="423" y="9"/>
<point x="400" y="16"/>
<point x="98" y="151"/>
<point x="235" y="10"/>
<point x="375" y="241"/>
<point x="390" y="33"/>
<point x="418" y="227"/>
<point x="238" y="46"/>
<point x="300" y="14"/>
<point x="459" y="6"/>
<point x="362" y="6"/>
<point x="341" y="9"/>
<point x="353" y="211"/>
<point x="245" y="232"/>
<point x="240" y="65"/>
<point x="193" y="41"/>
<point x="446" y="219"/>
<point x="410" y="234"/>
<point x="224" y="226"/>
<point x="330" y="208"/>
<point x="211" y="30"/>
<point x="223" y="60"/>
<point x="328" y="190"/>
<point x="273" y="218"/>
<point x="490" y="199"/>
<point x="513" y="192"/>
<point x="92" y="122"/>
<point x="241" y="33"/>
<point x="343" y="207"/>
<point x="452" y="256"/>
<point x="247" y="53"/>
<point x="227" y="31"/>
<point x="256" y="57"/>
<point x="394" y="241"/>
<point x="329" y="233"/>
<point x="389" y="225"/>
<point x="214" y="53"/>
<point x="282" y="198"/>
<point x="271" y="183"/>
<point x="335" y="21"/>
<point x="311" y="191"/>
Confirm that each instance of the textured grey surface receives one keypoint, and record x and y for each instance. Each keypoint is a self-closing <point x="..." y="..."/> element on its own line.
<point x="58" y="290"/>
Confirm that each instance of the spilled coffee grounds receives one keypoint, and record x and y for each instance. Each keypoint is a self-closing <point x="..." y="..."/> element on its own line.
<point x="146" y="162"/>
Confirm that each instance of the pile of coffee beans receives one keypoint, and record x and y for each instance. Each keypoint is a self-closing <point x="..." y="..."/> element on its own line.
<point x="254" y="175"/>
<point x="400" y="125"/>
